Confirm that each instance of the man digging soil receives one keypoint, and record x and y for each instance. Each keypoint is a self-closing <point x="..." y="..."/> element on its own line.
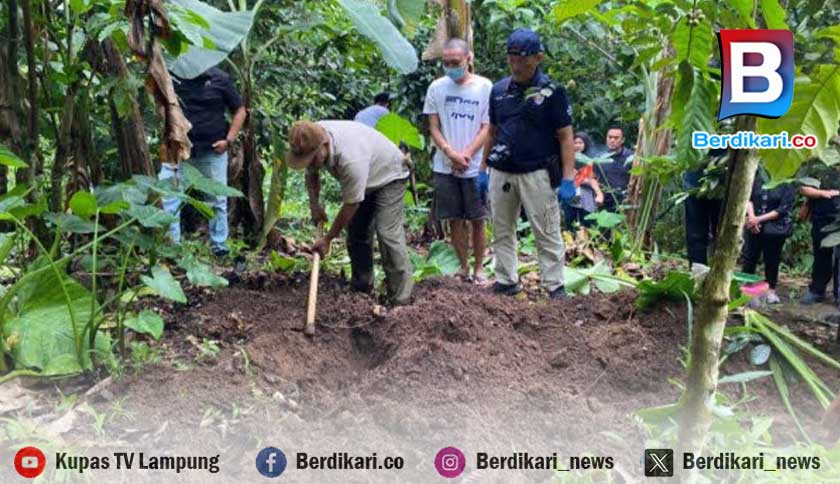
<point x="372" y="173"/>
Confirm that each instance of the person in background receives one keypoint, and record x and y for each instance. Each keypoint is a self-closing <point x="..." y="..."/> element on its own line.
<point x="457" y="108"/>
<point x="206" y="100"/>
<point x="590" y="195"/>
<point x="704" y="205"/>
<point x="530" y="139"/>
<point x="614" y="177"/>
<point x="769" y="223"/>
<point x="824" y="204"/>
<point x="372" y="114"/>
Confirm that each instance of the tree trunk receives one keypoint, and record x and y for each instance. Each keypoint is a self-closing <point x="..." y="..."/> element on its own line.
<point x="129" y="131"/>
<point x="644" y="192"/>
<point x="64" y="148"/>
<point x="460" y="20"/>
<point x="27" y="176"/>
<point x="250" y="211"/>
<point x="711" y="317"/>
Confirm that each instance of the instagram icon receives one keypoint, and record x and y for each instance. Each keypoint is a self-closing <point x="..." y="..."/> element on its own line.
<point x="450" y="462"/>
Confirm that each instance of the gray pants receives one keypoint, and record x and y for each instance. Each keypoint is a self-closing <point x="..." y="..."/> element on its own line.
<point x="509" y="192"/>
<point x="382" y="211"/>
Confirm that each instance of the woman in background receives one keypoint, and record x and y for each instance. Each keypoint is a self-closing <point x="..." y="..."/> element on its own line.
<point x="589" y="192"/>
<point x="769" y="223"/>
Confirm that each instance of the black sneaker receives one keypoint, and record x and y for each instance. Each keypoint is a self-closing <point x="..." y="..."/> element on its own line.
<point x="558" y="294"/>
<point x="506" y="289"/>
<point x="810" y="299"/>
<point x="220" y="252"/>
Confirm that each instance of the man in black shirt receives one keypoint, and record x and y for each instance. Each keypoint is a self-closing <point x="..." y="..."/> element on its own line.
<point x="206" y="100"/>
<point x="614" y="177"/>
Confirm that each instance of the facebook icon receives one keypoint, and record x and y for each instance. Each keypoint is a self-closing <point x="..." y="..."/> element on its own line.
<point x="271" y="462"/>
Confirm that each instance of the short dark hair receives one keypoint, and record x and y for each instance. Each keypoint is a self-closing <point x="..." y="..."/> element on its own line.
<point x="382" y="98"/>
<point x="618" y="127"/>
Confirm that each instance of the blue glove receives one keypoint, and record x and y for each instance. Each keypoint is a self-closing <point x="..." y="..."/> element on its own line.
<point x="567" y="190"/>
<point x="482" y="182"/>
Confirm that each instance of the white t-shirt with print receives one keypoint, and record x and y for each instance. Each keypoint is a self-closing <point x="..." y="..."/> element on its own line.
<point x="462" y="110"/>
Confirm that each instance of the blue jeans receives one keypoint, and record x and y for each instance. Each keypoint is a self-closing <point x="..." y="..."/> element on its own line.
<point x="211" y="165"/>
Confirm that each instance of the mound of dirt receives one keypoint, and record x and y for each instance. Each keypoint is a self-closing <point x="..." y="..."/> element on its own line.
<point x="460" y="365"/>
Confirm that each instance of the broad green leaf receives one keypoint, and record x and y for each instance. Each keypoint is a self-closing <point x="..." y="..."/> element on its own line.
<point x="80" y="6"/>
<point x="674" y="286"/>
<point x="745" y="9"/>
<point x="10" y="159"/>
<point x="70" y="223"/>
<point x="41" y="328"/>
<point x="411" y="11"/>
<point x="606" y="219"/>
<point x="444" y="258"/>
<point x="694" y="44"/>
<point x="815" y="110"/>
<point x="566" y="9"/>
<point x="164" y="284"/>
<point x="833" y="240"/>
<point x="194" y="179"/>
<point x="744" y="377"/>
<point x="146" y="322"/>
<point x="83" y="204"/>
<point x="200" y="274"/>
<point x="115" y="207"/>
<point x="282" y="263"/>
<point x="224" y="30"/>
<point x="396" y="50"/>
<point x="697" y="114"/>
<point x="151" y="217"/>
<point x="398" y="129"/>
<point x="774" y="14"/>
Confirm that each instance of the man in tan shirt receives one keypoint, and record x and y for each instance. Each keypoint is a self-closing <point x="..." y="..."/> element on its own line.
<point x="372" y="173"/>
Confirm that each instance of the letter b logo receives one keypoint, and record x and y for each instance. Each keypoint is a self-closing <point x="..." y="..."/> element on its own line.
<point x="757" y="72"/>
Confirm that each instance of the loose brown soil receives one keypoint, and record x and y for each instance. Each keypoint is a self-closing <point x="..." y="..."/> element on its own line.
<point x="460" y="366"/>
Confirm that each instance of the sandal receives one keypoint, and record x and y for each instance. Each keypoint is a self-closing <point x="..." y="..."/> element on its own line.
<point x="480" y="280"/>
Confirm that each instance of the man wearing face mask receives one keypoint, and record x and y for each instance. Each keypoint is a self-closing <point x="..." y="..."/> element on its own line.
<point x="372" y="173"/>
<point x="457" y="107"/>
<point x="530" y="151"/>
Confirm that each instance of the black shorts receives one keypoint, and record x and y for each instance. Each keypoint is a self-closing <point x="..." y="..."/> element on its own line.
<point x="458" y="198"/>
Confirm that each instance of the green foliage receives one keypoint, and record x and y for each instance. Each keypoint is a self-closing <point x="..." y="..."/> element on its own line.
<point x="213" y="35"/>
<point x="675" y="286"/>
<point x="10" y="159"/>
<point x="46" y="323"/>
<point x="195" y="179"/>
<point x="694" y="43"/>
<point x="441" y="261"/>
<point x="581" y="280"/>
<point x="400" y="130"/>
<point x="774" y="15"/>
<point x="693" y="109"/>
<point x="145" y="322"/>
<point x="815" y="110"/>
<point x="396" y="50"/>
<point x="164" y="285"/>
<point x="604" y="219"/>
<point x="566" y="9"/>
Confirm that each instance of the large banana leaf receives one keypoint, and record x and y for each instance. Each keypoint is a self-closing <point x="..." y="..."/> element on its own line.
<point x="213" y="33"/>
<point x="396" y="50"/>
<point x="815" y="110"/>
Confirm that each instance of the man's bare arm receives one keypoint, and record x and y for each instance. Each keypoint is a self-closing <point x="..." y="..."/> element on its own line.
<point x="479" y="141"/>
<point x="566" y="136"/>
<point x="313" y="188"/>
<point x="489" y="141"/>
